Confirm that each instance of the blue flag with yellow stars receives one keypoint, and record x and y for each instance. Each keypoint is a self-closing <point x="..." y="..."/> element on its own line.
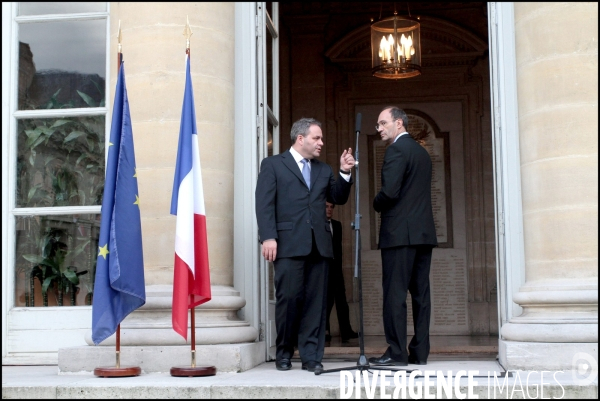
<point x="119" y="288"/>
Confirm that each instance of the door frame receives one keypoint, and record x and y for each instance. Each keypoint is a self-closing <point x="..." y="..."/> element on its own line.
<point x="510" y="253"/>
<point x="253" y="119"/>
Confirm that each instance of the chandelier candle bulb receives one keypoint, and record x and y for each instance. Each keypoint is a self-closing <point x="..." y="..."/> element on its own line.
<point x="396" y="48"/>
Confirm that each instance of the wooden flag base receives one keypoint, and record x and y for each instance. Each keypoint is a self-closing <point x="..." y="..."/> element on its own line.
<point x="118" y="370"/>
<point x="125" y="371"/>
<point x="193" y="371"/>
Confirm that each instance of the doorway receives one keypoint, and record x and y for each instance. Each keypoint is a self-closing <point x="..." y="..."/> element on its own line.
<point x="325" y="73"/>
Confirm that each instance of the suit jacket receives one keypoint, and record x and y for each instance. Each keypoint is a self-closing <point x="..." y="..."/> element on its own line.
<point x="286" y="210"/>
<point x="405" y="196"/>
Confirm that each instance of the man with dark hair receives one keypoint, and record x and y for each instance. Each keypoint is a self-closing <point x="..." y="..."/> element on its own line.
<point x="406" y="239"/>
<point x="291" y="191"/>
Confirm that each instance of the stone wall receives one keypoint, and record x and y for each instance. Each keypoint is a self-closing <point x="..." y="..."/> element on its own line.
<point x="154" y="54"/>
<point x="557" y="81"/>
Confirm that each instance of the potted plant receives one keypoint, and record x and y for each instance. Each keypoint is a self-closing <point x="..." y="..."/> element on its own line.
<point x="51" y="266"/>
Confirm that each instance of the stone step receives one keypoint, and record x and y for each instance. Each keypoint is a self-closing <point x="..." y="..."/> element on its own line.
<point x="225" y="357"/>
<point x="264" y="381"/>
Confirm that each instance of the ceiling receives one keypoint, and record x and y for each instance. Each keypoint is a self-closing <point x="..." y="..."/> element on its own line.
<point x="340" y="18"/>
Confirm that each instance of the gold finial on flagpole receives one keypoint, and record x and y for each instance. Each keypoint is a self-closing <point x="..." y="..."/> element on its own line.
<point x="119" y="38"/>
<point x="187" y="32"/>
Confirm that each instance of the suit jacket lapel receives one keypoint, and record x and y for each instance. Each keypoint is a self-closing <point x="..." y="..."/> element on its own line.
<point x="290" y="162"/>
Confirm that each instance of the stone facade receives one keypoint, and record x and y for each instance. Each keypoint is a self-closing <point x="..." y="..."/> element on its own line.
<point x="325" y="73"/>
<point x="557" y="78"/>
<point x="153" y="48"/>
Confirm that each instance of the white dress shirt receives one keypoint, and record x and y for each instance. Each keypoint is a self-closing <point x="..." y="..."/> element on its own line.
<point x="298" y="157"/>
<point x="399" y="135"/>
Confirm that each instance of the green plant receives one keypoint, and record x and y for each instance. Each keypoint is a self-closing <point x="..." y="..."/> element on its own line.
<point x="60" y="162"/>
<point x="50" y="265"/>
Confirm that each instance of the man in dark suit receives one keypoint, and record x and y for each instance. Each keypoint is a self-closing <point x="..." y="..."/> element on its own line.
<point x="406" y="239"/>
<point x="336" y="290"/>
<point x="291" y="191"/>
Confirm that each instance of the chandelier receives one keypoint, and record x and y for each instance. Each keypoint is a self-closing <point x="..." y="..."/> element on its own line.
<point x="396" y="47"/>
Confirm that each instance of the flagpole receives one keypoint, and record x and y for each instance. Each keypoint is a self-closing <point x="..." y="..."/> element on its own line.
<point x="193" y="370"/>
<point x="118" y="346"/>
<point x="118" y="371"/>
<point x="118" y="333"/>
<point x="193" y="332"/>
<point x="119" y="48"/>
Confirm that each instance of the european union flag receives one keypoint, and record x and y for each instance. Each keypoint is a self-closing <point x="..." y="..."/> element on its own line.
<point x="119" y="288"/>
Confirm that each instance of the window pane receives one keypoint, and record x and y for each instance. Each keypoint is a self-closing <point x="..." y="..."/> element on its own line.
<point x="60" y="161"/>
<point x="38" y="8"/>
<point x="56" y="259"/>
<point x="62" y="64"/>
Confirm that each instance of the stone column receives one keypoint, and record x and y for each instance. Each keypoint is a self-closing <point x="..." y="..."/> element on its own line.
<point x="154" y="52"/>
<point x="557" y="79"/>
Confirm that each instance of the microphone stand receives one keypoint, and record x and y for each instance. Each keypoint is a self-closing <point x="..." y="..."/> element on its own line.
<point x="362" y="364"/>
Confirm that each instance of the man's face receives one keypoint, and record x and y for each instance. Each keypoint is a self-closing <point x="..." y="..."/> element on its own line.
<point x="311" y="144"/>
<point x="329" y="209"/>
<point x="388" y="127"/>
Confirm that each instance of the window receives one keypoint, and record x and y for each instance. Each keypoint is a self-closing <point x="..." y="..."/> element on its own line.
<point x="58" y="128"/>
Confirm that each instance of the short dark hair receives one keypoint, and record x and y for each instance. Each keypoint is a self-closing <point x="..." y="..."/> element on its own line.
<point x="398" y="114"/>
<point x="302" y="126"/>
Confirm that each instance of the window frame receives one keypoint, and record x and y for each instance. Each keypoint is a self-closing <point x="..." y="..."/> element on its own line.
<point x="18" y="339"/>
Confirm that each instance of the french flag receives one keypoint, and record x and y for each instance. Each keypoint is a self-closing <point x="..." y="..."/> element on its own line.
<point x="191" y="282"/>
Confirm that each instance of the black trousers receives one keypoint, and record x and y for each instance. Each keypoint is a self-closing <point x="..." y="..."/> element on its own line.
<point x="301" y="303"/>
<point x="406" y="268"/>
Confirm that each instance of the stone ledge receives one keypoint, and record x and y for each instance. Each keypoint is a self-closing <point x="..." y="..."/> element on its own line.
<point x="34" y="382"/>
<point x="518" y="330"/>
<point x="230" y="391"/>
<point x="516" y="355"/>
<point x="225" y="357"/>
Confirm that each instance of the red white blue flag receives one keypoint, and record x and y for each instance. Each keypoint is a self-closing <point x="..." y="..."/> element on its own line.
<point x="191" y="283"/>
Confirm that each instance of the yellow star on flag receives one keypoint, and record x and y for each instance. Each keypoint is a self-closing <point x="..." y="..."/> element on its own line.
<point x="137" y="200"/>
<point x="103" y="251"/>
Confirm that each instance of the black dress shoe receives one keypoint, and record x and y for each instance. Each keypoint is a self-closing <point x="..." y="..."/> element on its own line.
<point x="415" y="361"/>
<point x="349" y="336"/>
<point x="283" y="364"/>
<point x="386" y="360"/>
<point x="312" y="366"/>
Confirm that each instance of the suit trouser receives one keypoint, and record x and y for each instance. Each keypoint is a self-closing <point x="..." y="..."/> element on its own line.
<point x="336" y="292"/>
<point x="406" y="268"/>
<point x="301" y="303"/>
